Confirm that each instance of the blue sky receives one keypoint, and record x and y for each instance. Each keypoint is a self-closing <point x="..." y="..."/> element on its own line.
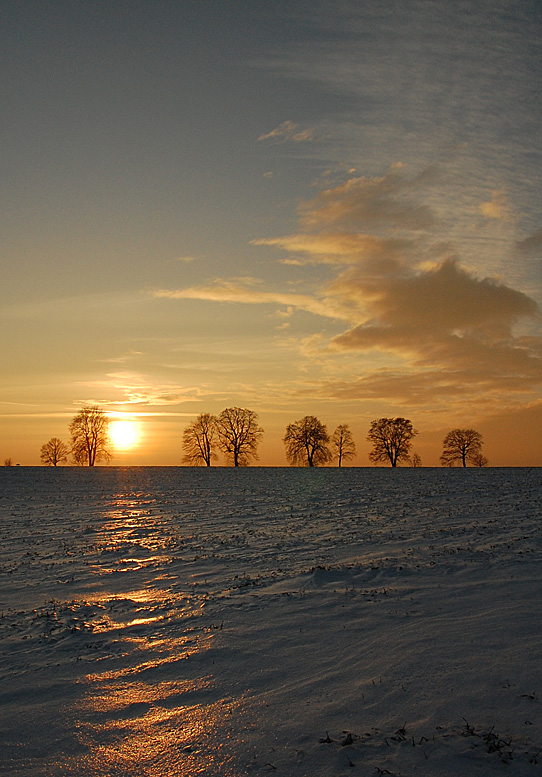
<point x="325" y="208"/>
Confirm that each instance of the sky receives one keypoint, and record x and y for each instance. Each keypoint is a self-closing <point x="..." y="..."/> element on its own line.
<point x="326" y="208"/>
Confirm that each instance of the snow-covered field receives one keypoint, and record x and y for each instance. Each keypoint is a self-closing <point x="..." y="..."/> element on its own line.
<point x="166" y="622"/>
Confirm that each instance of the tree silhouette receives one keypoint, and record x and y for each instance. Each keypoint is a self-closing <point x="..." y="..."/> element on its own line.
<point x="461" y="446"/>
<point x="307" y="442"/>
<point x="391" y="439"/>
<point x="239" y="434"/>
<point x="79" y="457"/>
<point x="479" y="460"/>
<point x="343" y="444"/>
<point x="90" y="438"/>
<point x="54" y="452"/>
<point x="416" y="460"/>
<point x="199" y="441"/>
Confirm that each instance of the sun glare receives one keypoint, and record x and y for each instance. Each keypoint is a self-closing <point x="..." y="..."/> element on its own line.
<point x="124" y="434"/>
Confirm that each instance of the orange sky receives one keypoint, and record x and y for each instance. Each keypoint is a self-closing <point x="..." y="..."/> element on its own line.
<point x="331" y="213"/>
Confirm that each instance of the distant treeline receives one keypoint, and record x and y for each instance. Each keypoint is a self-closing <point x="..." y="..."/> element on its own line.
<point x="235" y="433"/>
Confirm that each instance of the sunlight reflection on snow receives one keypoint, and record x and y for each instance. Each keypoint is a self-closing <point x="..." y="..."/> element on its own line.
<point x="132" y="539"/>
<point x="147" y="707"/>
<point x="145" y="736"/>
<point x="147" y="725"/>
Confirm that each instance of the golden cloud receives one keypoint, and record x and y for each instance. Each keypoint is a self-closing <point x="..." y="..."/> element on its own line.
<point x="404" y="294"/>
<point x="497" y="207"/>
<point x="375" y="202"/>
<point x="343" y="248"/>
<point x="230" y="291"/>
<point x="452" y="330"/>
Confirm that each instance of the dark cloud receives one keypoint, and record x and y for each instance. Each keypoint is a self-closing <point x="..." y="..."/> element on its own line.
<point x="446" y="299"/>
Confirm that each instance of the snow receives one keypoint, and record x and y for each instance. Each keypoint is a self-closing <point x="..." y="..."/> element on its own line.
<point x="294" y="622"/>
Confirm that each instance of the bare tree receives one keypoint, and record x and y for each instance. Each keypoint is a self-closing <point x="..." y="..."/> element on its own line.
<point x="54" y="452"/>
<point x="200" y="440"/>
<point x="239" y="435"/>
<point x="343" y="444"/>
<point x="307" y="442"/>
<point x="391" y="439"/>
<point x="461" y="446"/>
<point x="416" y="460"/>
<point x="479" y="460"/>
<point x="89" y="432"/>
<point x="8" y="462"/>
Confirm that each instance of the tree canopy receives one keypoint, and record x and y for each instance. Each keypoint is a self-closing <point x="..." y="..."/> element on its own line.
<point x="200" y="439"/>
<point x="239" y="435"/>
<point x="54" y="452"/>
<point x="416" y="460"/>
<point x="461" y="446"/>
<point x="391" y="439"/>
<point x="343" y="444"/>
<point x="307" y="442"/>
<point x="90" y="437"/>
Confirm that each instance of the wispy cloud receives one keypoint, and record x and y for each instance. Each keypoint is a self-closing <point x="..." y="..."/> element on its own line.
<point x="233" y="291"/>
<point x="341" y="248"/>
<point x="122" y="359"/>
<point x="361" y="203"/>
<point x="134" y="389"/>
<point x="289" y="131"/>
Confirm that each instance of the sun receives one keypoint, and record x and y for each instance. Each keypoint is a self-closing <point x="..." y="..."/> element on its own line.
<point x="124" y="434"/>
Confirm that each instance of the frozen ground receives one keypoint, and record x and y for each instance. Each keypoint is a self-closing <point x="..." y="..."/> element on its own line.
<point x="164" y="622"/>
